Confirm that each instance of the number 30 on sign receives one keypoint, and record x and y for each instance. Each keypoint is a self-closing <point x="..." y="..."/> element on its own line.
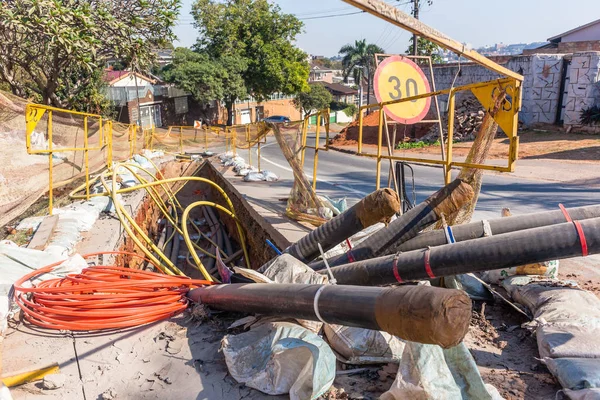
<point x="397" y="78"/>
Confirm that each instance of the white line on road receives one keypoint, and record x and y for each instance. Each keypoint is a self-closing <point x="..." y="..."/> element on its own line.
<point x="343" y="187"/>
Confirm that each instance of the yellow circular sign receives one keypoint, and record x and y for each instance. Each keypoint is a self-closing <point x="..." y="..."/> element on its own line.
<point x="397" y="78"/>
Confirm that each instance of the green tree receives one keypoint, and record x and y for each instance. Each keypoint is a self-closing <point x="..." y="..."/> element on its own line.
<point x="52" y="50"/>
<point x="426" y="47"/>
<point x="195" y="73"/>
<point x="359" y="60"/>
<point x="317" y="97"/>
<point x="206" y="78"/>
<point x="252" y="38"/>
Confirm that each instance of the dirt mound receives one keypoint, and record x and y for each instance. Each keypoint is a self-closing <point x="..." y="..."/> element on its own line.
<point x="404" y="133"/>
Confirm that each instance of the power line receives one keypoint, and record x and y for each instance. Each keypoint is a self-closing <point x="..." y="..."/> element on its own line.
<point x="334" y="10"/>
<point x="331" y="16"/>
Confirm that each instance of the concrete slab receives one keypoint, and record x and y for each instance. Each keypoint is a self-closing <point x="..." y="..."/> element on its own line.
<point x="269" y="199"/>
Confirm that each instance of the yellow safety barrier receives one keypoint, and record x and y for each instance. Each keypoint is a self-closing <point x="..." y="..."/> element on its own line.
<point x="321" y="115"/>
<point x="507" y="119"/>
<point x="106" y="134"/>
<point x="35" y="112"/>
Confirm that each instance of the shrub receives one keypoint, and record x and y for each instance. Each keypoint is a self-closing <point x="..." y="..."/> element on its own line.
<point x="591" y="115"/>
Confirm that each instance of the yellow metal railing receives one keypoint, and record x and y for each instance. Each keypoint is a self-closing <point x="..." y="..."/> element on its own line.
<point x="35" y="112"/>
<point x="320" y="115"/>
<point x="507" y="119"/>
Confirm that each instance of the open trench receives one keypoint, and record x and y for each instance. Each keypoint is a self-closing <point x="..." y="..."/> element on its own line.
<point x="203" y="223"/>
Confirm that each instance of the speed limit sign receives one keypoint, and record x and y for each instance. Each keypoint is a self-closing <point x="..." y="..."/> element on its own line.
<point x="397" y="78"/>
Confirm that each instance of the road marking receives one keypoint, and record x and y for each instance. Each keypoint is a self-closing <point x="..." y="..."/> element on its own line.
<point x="346" y="188"/>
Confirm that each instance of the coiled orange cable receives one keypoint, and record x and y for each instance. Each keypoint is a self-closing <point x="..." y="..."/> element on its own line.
<point x="102" y="297"/>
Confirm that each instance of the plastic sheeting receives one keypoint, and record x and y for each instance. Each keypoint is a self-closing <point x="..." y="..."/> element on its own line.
<point x="15" y="262"/>
<point x="280" y="357"/>
<point x="364" y="346"/>
<point x="428" y="372"/>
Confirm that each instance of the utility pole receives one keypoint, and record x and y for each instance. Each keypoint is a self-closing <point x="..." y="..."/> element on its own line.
<point x="415" y="37"/>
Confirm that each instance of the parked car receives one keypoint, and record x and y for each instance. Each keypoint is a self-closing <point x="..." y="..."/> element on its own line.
<point x="277" y="119"/>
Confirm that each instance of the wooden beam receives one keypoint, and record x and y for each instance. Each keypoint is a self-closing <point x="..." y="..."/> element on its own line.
<point x="395" y="16"/>
<point x="43" y="234"/>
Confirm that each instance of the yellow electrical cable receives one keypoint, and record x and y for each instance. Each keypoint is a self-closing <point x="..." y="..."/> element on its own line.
<point x="121" y="214"/>
<point x="198" y="179"/>
<point x="163" y="208"/>
<point x="186" y="237"/>
<point x="162" y="182"/>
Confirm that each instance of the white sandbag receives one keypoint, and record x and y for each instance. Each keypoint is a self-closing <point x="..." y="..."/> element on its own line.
<point x="563" y="341"/>
<point x="548" y="269"/>
<point x="4" y="393"/>
<point x="153" y="154"/>
<point x="288" y="269"/>
<point x="575" y="373"/>
<point x="428" y="372"/>
<point x="30" y="223"/>
<point x="254" y="177"/>
<point x="364" y="346"/>
<point x="279" y="358"/>
<point x="270" y="176"/>
<point x="142" y="161"/>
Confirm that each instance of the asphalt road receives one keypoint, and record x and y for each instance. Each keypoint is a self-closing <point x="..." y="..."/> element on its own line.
<point x="347" y="175"/>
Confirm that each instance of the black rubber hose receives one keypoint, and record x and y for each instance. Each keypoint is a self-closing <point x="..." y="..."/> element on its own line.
<point x="445" y="201"/>
<point x="484" y="254"/>
<point x="174" y="256"/>
<point x="421" y="314"/>
<point x="378" y="206"/>
<point x="498" y="226"/>
<point x="209" y="262"/>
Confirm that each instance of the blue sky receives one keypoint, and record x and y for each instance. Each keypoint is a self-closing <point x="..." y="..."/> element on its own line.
<point x="478" y="22"/>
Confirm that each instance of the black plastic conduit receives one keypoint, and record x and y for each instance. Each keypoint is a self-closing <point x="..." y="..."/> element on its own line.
<point x="495" y="252"/>
<point x="497" y="227"/>
<point x="421" y="314"/>
<point x="445" y="201"/>
<point x="378" y="206"/>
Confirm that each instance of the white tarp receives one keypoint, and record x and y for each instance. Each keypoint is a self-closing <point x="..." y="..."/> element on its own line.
<point x="279" y="358"/>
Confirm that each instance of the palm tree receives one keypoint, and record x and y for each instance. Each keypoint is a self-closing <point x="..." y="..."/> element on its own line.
<point x="359" y="58"/>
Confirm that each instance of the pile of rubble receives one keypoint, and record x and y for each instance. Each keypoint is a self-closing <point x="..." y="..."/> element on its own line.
<point x="467" y="121"/>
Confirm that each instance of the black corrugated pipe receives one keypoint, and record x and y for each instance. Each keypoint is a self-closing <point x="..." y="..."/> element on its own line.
<point x="483" y="254"/>
<point x="445" y="201"/>
<point x="378" y="206"/>
<point x="421" y="314"/>
<point x="498" y="227"/>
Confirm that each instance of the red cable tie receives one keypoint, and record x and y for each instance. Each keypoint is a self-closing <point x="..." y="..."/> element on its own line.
<point x="395" y="268"/>
<point x="565" y="213"/>
<point x="428" y="265"/>
<point x="579" y="229"/>
<point x="349" y="244"/>
<point x="350" y="256"/>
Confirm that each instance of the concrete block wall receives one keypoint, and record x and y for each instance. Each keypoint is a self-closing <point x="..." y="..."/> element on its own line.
<point x="541" y="88"/>
<point x="583" y="87"/>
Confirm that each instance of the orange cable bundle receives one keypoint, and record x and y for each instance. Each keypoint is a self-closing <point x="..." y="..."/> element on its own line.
<point x="102" y="297"/>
